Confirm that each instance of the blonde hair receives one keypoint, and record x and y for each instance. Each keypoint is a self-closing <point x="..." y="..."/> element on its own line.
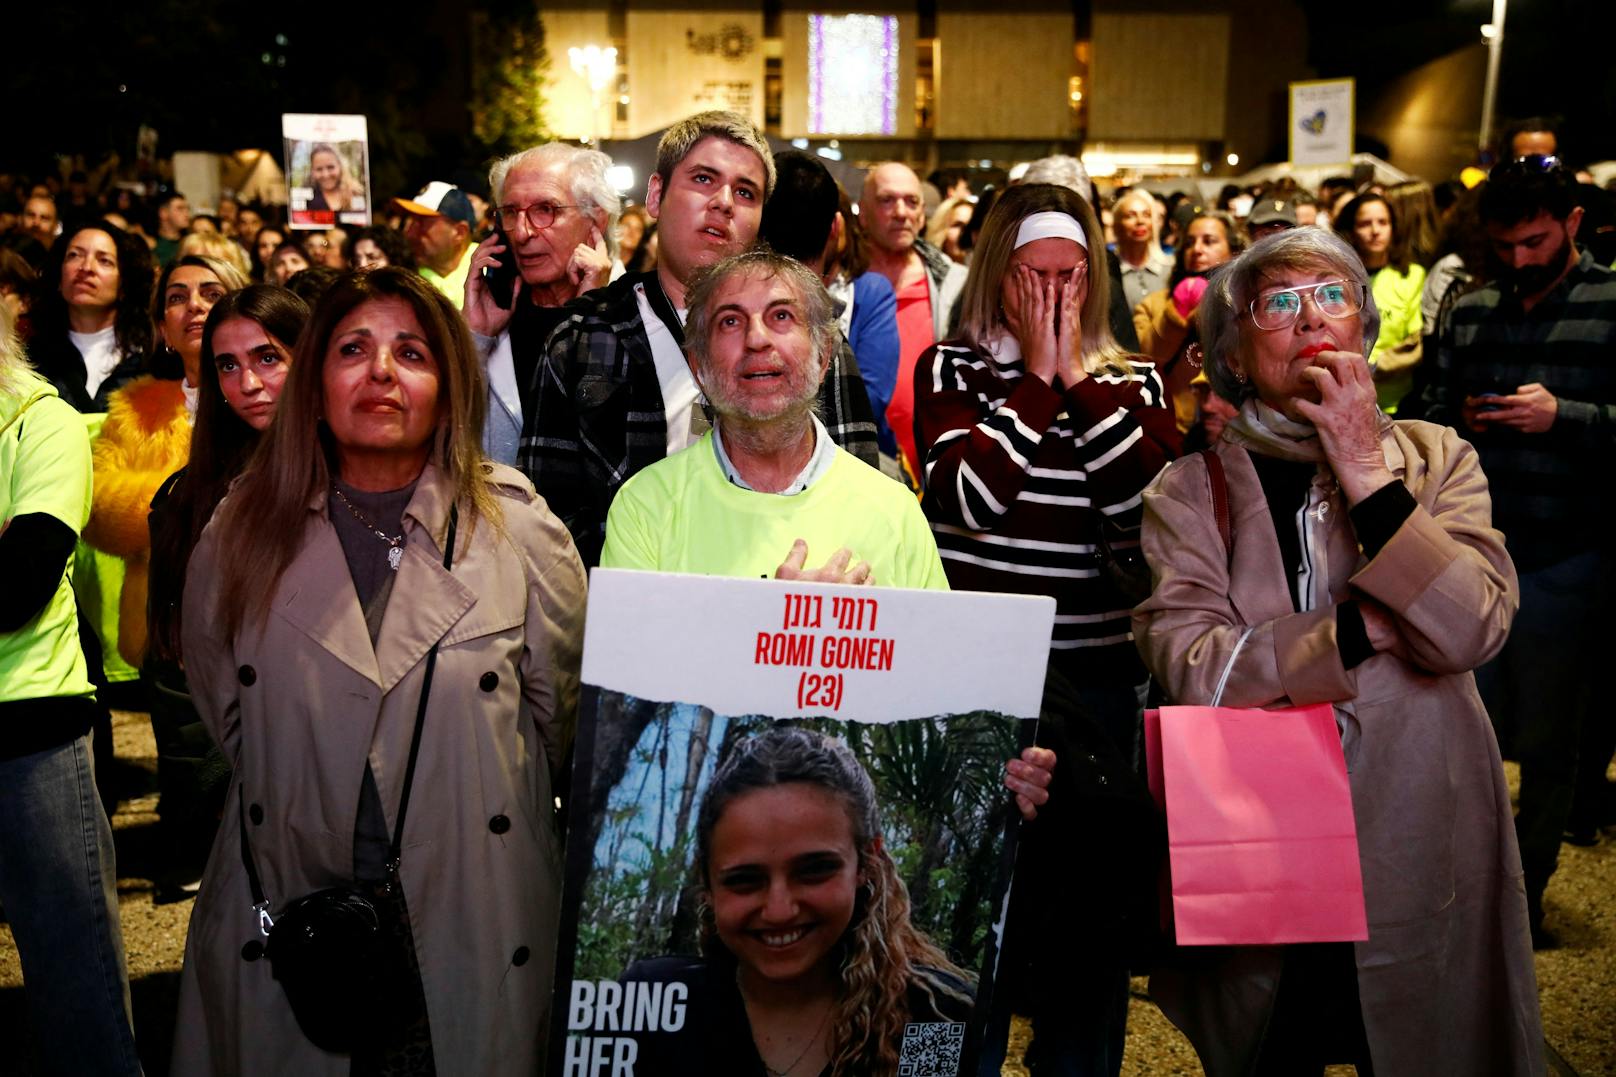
<point x="260" y="523"/>
<point x="682" y="137"/>
<point x="937" y="227"/>
<point x="220" y="249"/>
<point x="13" y="360"/>
<point x="980" y="317"/>
<point x="1139" y="194"/>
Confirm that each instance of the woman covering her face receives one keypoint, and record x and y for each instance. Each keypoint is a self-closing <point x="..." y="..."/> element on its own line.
<point x="1362" y="570"/>
<point x="1038" y="434"/>
<point x="314" y="604"/>
<point x="811" y="965"/>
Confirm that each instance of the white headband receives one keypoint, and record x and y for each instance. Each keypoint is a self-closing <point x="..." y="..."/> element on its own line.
<point x="1050" y="224"/>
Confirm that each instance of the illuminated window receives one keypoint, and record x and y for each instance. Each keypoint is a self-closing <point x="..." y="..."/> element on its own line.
<point x="852" y="74"/>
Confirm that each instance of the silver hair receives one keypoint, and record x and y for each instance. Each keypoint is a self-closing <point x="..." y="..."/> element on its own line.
<point x="1063" y="171"/>
<point x="586" y="178"/>
<point x="1221" y="320"/>
<point x="817" y="310"/>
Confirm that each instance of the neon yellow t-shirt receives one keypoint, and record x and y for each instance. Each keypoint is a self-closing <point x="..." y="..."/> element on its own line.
<point x="682" y="515"/>
<point x="454" y="284"/>
<point x="1397" y="297"/>
<point x="44" y="468"/>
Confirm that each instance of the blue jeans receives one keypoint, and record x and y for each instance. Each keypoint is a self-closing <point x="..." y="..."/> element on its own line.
<point x="59" y="890"/>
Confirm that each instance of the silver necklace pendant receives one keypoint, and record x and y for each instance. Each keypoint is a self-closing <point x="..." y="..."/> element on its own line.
<point x="394" y="557"/>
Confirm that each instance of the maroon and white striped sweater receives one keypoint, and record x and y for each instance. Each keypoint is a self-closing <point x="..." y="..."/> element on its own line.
<point x="1018" y="475"/>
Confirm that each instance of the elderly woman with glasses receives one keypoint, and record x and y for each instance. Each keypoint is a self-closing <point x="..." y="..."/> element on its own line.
<point x="1362" y="570"/>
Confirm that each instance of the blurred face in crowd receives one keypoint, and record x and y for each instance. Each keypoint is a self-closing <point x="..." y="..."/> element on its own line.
<point x="1372" y="233"/>
<point x="1307" y="215"/>
<point x="251" y="366"/>
<point x="325" y="249"/>
<point x="891" y="210"/>
<point x="90" y="277"/>
<point x="1134" y="219"/>
<point x="552" y="226"/>
<point x="266" y="240"/>
<point x="39" y="219"/>
<point x="958" y="219"/>
<point x="1206" y="245"/>
<point x="380" y="381"/>
<point x="1526" y="143"/>
<point x="287" y="263"/>
<point x="630" y="230"/>
<point x="248" y="222"/>
<point x="174" y="215"/>
<point x="761" y="362"/>
<point x="189" y="294"/>
<point x="709" y="207"/>
<point x="436" y="241"/>
<point x="366" y="255"/>
<point x="202" y="226"/>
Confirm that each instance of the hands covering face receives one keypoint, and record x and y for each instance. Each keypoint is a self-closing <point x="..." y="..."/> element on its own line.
<point x="1044" y="315"/>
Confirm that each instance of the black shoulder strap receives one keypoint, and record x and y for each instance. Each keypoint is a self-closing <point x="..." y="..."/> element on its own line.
<point x="255" y="885"/>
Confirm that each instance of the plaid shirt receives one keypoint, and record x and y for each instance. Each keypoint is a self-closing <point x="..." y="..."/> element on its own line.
<point x="599" y="417"/>
<point x="1548" y="488"/>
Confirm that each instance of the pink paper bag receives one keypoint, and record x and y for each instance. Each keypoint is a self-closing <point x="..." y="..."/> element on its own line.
<point x="1262" y="844"/>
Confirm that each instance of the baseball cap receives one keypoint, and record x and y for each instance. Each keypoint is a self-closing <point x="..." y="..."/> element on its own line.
<point x="441" y="200"/>
<point x="1272" y="211"/>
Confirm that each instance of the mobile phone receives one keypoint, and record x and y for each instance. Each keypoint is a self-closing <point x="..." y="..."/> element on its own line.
<point x="500" y="278"/>
<point x="1489" y="406"/>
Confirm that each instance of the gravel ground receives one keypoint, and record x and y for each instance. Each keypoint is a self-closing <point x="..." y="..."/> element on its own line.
<point x="1577" y="982"/>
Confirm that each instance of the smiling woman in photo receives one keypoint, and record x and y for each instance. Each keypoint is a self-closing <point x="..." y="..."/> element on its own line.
<point x="810" y="964"/>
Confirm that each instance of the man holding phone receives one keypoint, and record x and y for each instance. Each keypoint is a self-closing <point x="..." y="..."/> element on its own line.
<point x="1525" y="370"/>
<point x="556" y="215"/>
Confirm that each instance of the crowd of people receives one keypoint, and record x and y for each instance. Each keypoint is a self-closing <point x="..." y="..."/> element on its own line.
<point x="356" y="477"/>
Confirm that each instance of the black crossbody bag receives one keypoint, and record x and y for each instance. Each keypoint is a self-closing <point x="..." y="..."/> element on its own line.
<point x="328" y="949"/>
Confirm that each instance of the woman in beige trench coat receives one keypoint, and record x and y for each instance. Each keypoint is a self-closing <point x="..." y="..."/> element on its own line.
<point x="1384" y="586"/>
<point x="315" y="716"/>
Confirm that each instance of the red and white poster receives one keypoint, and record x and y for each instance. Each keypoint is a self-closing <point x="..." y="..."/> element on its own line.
<point x="789" y="841"/>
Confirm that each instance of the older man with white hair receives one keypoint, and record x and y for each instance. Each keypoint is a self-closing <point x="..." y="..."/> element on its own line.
<point x="558" y="220"/>
<point x="766" y="491"/>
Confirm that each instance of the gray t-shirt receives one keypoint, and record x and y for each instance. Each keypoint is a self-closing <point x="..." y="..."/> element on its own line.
<point x="373" y="578"/>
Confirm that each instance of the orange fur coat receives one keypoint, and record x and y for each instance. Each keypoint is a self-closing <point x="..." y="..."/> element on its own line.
<point x="146" y="438"/>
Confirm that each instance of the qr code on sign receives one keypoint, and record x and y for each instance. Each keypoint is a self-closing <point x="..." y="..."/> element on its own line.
<point x="931" y="1049"/>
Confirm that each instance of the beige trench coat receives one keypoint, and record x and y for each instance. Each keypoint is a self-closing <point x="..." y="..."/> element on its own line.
<point x="1446" y="977"/>
<point x="300" y="703"/>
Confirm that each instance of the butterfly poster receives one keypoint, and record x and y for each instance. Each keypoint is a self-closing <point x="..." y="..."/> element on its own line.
<point x="1321" y="122"/>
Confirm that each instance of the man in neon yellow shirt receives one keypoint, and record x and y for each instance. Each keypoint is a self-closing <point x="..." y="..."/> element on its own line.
<point x="766" y="489"/>
<point x="439" y="228"/>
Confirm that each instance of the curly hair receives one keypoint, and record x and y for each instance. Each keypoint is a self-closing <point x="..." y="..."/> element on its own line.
<point x="883" y="957"/>
<point x="132" y="327"/>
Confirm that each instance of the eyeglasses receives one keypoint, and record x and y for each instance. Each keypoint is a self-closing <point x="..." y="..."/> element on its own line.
<point x="1333" y="298"/>
<point x="1533" y="164"/>
<point x="538" y="215"/>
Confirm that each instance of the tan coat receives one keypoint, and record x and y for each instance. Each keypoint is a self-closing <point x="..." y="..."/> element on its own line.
<point x="1162" y="331"/>
<point x="1446" y="976"/>
<point x="300" y="703"/>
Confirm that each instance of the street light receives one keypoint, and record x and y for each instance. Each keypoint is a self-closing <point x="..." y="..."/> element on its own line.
<point x="598" y="67"/>
<point x="1493" y="32"/>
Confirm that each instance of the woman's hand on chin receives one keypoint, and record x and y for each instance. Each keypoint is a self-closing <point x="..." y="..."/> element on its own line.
<point x="1348" y="422"/>
<point x="1028" y="778"/>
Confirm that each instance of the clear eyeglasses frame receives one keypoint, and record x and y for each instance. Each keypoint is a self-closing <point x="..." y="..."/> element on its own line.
<point x="537" y="214"/>
<point x="1279" y="309"/>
